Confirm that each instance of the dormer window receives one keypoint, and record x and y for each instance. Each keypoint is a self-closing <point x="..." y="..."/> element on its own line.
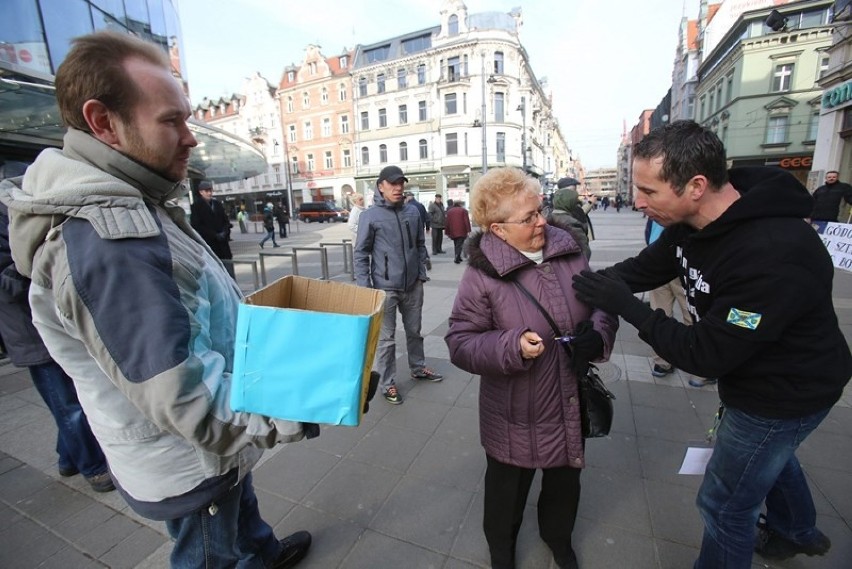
<point x="291" y="76"/>
<point x="453" y="26"/>
<point x="344" y="61"/>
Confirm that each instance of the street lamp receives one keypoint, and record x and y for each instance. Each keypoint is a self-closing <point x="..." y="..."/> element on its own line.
<point x="523" y="108"/>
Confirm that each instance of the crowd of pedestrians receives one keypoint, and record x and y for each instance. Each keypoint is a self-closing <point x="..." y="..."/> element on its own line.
<point x="144" y="408"/>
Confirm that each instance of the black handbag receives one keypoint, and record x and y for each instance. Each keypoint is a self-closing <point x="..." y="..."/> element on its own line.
<point x="596" y="408"/>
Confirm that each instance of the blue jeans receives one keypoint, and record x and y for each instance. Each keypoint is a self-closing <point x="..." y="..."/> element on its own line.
<point x="75" y="443"/>
<point x="753" y="461"/>
<point x="227" y="533"/>
<point x="270" y="234"/>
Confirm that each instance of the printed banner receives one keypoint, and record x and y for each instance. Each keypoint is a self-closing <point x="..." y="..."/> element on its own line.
<point x="837" y="238"/>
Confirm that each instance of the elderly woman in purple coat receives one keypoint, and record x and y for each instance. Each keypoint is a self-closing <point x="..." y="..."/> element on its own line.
<point x="529" y="414"/>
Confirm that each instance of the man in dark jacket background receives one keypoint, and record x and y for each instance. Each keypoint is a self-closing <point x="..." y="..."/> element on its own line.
<point x="211" y="222"/>
<point x="458" y="228"/>
<point x="437" y="219"/>
<point x="827" y="197"/>
<point x="390" y="255"/>
<point x="758" y="281"/>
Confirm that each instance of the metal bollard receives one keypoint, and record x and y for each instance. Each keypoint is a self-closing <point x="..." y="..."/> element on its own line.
<point x="251" y="263"/>
<point x="347" y="268"/>
<point x="323" y="258"/>
<point x="274" y="253"/>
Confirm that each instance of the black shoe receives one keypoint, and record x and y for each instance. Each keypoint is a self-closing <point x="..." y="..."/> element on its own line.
<point x="68" y="472"/>
<point x="770" y="545"/>
<point x="457" y="261"/>
<point x="567" y="561"/>
<point x="101" y="482"/>
<point x="294" y="548"/>
<point x="660" y="371"/>
<point x="703" y="382"/>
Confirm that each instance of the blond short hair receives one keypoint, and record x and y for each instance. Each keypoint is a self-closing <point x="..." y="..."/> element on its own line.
<point x="356" y="196"/>
<point x="94" y="69"/>
<point x="494" y="192"/>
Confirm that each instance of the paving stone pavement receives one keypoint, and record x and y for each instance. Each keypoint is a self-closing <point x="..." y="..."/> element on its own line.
<point x="404" y="489"/>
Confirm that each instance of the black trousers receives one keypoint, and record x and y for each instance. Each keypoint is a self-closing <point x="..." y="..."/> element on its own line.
<point x="506" y="491"/>
<point x="458" y="246"/>
<point x="437" y="240"/>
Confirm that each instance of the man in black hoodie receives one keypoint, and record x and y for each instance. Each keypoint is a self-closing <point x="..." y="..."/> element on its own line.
<point x="758" y="282"/>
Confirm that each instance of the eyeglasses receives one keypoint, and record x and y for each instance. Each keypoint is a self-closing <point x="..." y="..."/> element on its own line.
<point x="531" y="219"/>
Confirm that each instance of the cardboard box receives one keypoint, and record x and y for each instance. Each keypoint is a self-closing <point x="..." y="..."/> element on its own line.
<point x="304" y="350"/>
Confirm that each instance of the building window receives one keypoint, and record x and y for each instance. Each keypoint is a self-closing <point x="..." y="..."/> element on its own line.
<point x="729" y="93"/>
<point x="711" y="107"/>
<point x="277" y="169"/>
<point x="341" y="92"/>
<point x="421" y="110"/>
<point x="344" y="61"/>
<point x="823" y="65"/>
<point x="291" y="76"/>
<point x="308" y="130"/>
<point x="498" y="63"/>
<point x="401" y="78"/>
<point x="324" y="96"/>
<point x="782" y="79"/>
<point x="365" y="120"/>
<point x="776" y="130"/>
<point x="452" y="144"/>
<point x="719" y="103"/>
<point x="453" y="68"/>
<point x="326" y="127"/>
<point x="306" y="100"/>
<point x="380" y="83"/>
<point x="329" y="162"/>
<point x="499" y="107"/>
<point x="383" y="153"/>
<point x="421" y="74"/>
<point x="312" y="66"/>
<point x="344" y="124"/>
<point x="310" y="165"/>
<point x="424" y="149"/>
<point x="813" y="126"/>
<point x="383" y="118"/>
<point x="453" y="25"/>
<point x="365" y="156"/>
<point x="403" y="114"/>
<point x="347" y="158"/>
<point x="291" y="133"/>
<point x="403" y="151"/>
<point x="294" y="165"/>
<point x="501" y="147"/>
<point x="450" y="105"/>
<point x="362" y="86"/>
<point x="690" y="108"/>
<point x="701" y="114"/>
<point x="290" y="103"/>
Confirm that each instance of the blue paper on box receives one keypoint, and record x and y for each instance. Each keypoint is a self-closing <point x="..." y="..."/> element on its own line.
<point x="301" y="364"/>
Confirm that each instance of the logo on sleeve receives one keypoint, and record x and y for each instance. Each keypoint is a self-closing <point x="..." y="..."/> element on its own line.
<point x="743" y="319"/>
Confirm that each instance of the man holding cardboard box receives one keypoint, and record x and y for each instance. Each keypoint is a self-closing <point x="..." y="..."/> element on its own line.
<point x="390" y="255"/>
<point x="131" y="303"/>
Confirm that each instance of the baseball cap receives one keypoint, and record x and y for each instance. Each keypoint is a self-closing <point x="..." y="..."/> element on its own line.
<point x="392" y="174"/>
<point x="204" y="185"/>
<point x="566" y="182"/>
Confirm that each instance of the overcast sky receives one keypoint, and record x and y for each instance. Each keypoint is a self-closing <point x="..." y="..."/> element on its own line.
<point x="605" y="62"/>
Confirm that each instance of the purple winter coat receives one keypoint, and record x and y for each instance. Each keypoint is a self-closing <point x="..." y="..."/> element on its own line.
<point x="529" y="414"/>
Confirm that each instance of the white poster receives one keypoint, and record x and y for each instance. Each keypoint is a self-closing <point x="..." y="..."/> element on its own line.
<point x="837" y="238"/>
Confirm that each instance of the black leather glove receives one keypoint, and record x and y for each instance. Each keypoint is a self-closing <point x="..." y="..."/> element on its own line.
<point x="607" y="291"/>
<point x="586" y="345"/>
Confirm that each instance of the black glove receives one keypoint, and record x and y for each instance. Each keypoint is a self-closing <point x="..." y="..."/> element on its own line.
<point x="607" y="291"/>
<point x="586" y="345"/>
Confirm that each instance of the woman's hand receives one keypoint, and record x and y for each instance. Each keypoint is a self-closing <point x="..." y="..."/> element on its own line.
<point x="532" y="346"/>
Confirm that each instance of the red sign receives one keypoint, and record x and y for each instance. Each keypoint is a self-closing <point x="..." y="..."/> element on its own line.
<point x="25" y="55"/>
<point x="792" y="163"/>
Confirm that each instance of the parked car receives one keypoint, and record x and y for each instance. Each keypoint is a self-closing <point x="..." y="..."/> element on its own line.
<point x="322" y="211"/>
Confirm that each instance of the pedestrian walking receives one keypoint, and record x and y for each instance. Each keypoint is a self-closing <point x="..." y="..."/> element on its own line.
<point x="437" y="220"/>
<point x="269" y="225"/>
<point x="778" y="352"/>
<point x="458" y="228"/>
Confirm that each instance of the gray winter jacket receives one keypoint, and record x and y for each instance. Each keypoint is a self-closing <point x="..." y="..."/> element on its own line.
<point x="390" y="250"/>
<point x="529" y="415"/>
<point x="134" y="306"/>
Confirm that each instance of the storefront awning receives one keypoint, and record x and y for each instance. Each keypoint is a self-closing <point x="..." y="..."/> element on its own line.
<point x="30" y="118"/>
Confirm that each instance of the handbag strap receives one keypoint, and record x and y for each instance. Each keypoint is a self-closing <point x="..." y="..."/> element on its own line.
<point x="538" y="305"/>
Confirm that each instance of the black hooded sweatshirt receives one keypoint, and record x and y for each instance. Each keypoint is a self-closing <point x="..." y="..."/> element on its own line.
<point x="758" y="282"/>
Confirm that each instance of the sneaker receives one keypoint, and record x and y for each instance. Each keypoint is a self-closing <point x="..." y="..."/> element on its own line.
<point x="703" y="382"/>
<point x="101" y="482"/>
<point x="68" y="472"/>
<point x="770" y="545"/>
<point x="426" y="374"/>
<point x="294" y="548"/>
<point x="392" y="396"/>
<point x="660" y="371"/>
